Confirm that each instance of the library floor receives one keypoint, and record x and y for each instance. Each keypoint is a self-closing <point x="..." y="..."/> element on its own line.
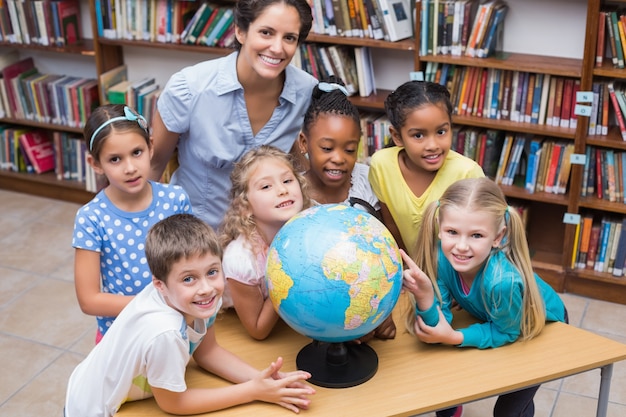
<point x="43" y="333"/>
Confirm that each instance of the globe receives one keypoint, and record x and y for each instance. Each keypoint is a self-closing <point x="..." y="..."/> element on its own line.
<point x="334" y="273"/>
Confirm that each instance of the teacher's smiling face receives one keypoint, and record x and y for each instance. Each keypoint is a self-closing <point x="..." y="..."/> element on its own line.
<point x="270" y="42"/>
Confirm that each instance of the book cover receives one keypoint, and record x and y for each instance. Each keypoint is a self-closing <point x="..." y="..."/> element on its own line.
<point x="213" y="19"/>
<point x="480" y="19"/>
<point x="225" y="20"/>
<point x="504" y="157"/>
<point x="39" y="150"/>
<point x="586" y="225"/>
<point x="551" y="98"/>
<point x="543" y="102"/>
<point x="555" y="159"/>
<point x="9" y="73"/>
<point x="69" y="18"/>
<point x="609" y="191"/>
<point x="594" y="241"/>
<point x="564" y="169"/>
<point x="616" y="108"/>
<point x="605" y="110"/>
<point x="493" y="149"/>
<point x="364" y="71"/>
<point x="558" y="101"/>
<point x="573" y="118"/>
<point x="599" y="187"/>
<point x="534" y="153"/>
<point x="512" y="169"/>
<point x="528" y="91"/>
<point x="600" y="39"/>
<point x="190" y="33"/>
<point x="603" y="244"/>
<point x="536" y="99"/>
<point x="593" y="117"/>
<point x="544" y="163"/>
<point x="397" y="16"/>
<point x="110" y="78"/>
<point x="616" y="231"/>
<point x="488" y="45"/>
<point x="118" y="93"/>
<point x="619" y="47"/>
<point x="620" y="255"/>
<point x="566" y="103"/>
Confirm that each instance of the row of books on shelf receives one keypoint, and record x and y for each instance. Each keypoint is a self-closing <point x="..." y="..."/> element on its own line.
<point x="531" y="162"/>
<point x="35" y="151"/>
<point x="604" y="174"/>
<point x="374" y="135"/>
<point x="376" y="19"/>
<point x="611" y="36"/>
<point x="600" y="245"/>
<point x="461" y="27"/>
<point x="40" y="22"/>
<point x="353" y="65"/>
<point x="518" y="96"/>
<point x="140" y="94"/>
<point x="28" y="94"/>
<point x="167" y="21"/>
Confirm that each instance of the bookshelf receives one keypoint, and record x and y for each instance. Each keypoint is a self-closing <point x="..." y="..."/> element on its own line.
<point x="551" y="240"/>
<point x="52" y="59"/>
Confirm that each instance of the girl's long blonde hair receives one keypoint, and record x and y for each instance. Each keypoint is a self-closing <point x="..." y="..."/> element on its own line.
<point x="239" y="219"/>
<point x="482" y="195"/>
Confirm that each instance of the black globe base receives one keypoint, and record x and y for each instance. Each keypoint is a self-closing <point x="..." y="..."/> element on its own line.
<point x="337" y="365"/>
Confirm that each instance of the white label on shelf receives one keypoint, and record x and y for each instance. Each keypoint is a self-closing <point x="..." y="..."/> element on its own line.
<point x="571" y="218"/>
<point x="582" y="110"/>
<point x="584" y="97"/>
<point x="416" y="76"/>
<point x="578" y="159"/>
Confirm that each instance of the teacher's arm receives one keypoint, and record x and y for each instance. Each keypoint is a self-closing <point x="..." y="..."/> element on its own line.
<point x="163" y="144"/>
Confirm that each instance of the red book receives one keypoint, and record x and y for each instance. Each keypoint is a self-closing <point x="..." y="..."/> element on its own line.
<point x="8" y="74"/>
<point x="39" y="150"/>
<point x="593" y="246"/>
<point x="557" y="148"/>
<point x="483" y="89"/>
<point x="573" y="121"/>
<point x="468" y="100"/>
<point x="599" y="168"/>
<point x="618" y="113"/>
<point x="601" y="38"/>
<point x="566" y="102"/>
<point x="69" y="22"/>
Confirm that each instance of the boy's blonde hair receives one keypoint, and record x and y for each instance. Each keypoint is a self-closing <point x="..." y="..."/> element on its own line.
<point x="483" y="195"/>
<point x="239" y="219"/>
<point x="178" y="237"/>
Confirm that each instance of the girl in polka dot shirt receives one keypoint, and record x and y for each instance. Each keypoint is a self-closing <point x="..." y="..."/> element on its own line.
<point x="109" y="231"/>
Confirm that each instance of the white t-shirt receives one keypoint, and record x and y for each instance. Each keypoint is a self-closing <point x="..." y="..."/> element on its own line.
<point x="242" y="264"/>
<point x="149" y="344"/>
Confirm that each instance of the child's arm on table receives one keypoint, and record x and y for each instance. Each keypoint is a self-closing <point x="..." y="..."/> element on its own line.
<point x="256" y="313"/>
<point x="88" y="285"/>
<point x="269" y="385"/>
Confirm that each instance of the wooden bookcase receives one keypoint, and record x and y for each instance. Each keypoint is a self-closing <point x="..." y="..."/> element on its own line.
<point x="551" y="240"/>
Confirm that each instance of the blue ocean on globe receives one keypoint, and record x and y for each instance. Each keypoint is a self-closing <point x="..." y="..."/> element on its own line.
<point x="334" y="273"/>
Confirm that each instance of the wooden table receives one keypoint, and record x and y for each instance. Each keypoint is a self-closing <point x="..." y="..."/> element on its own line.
<point x="413" y="377"/>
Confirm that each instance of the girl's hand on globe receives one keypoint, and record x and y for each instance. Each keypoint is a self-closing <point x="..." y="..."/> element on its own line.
<point x="286" y="389"/>
<point x="417" y="283"/>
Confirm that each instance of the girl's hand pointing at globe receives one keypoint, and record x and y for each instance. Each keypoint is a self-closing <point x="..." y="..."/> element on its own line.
<point x="417" y="283"/>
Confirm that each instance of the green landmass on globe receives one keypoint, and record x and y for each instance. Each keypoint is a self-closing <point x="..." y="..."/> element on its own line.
<point x="334" y="273"/>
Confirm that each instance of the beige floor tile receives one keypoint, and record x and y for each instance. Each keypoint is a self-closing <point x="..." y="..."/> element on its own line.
<point x="569" y="405"/>
<point x="23" y="206"/>
<point x="21" y="361"/>
<point x="45" y="396"/>
<point x="48" y="313"/>
<point x="605" y="317"/>
<point x="14" y="283"/>
<point x="37" y="247"/>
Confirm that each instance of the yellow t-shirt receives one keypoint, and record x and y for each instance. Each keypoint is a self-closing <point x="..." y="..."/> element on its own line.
<point x="406" y="208"/>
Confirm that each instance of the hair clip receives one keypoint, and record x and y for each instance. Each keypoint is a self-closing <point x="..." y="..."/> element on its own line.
<point x="328" y="87"/>
<point x="129" y="115"/>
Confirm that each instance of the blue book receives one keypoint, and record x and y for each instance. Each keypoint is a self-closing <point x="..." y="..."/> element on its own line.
<point x="424" y="27"/>
<point x="534" y="115"/>
<point x="604" y="243"/>
<point x="98" y="7"/>
<point x="534" y="153"/>
<point x="495" y="104"/>
<point x="489" y="43"/>
<point x="220" y="27"/>
<point x="620" y="255"/>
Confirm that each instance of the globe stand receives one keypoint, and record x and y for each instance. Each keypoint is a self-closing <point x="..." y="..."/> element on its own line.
<point x="337" y="365"/>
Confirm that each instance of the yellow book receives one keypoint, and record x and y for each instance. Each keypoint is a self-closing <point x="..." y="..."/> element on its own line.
<point x="575" y="249"/>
